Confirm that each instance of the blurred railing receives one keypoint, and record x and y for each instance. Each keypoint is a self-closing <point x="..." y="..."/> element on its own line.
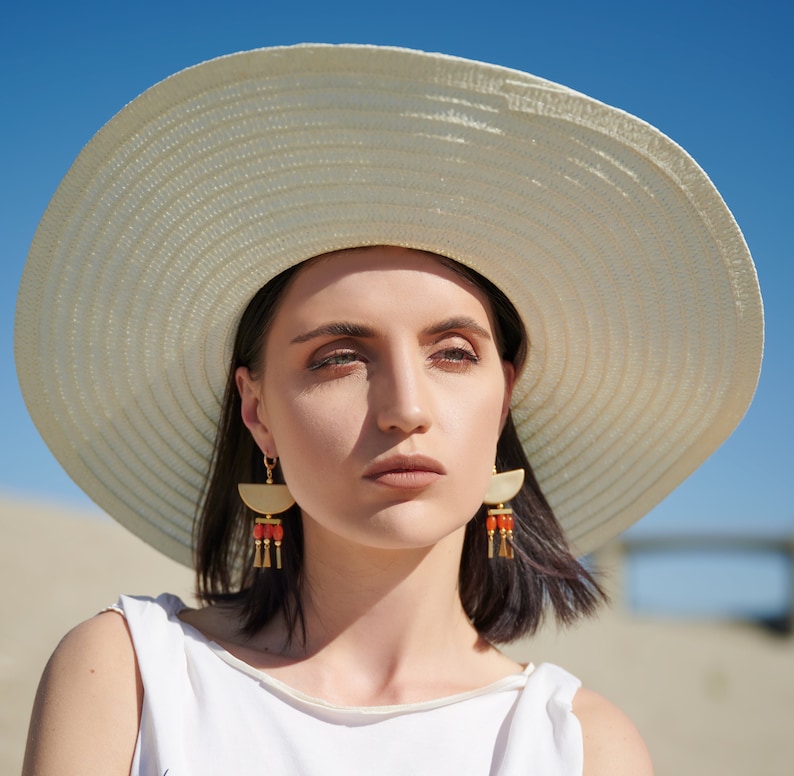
<point x="730" y="576"/>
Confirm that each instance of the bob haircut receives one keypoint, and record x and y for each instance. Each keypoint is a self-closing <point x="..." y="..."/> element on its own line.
<point x="504" y="600"/>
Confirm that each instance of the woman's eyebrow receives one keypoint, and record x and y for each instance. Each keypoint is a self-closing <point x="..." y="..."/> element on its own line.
<point x="461" y="323"/>
<point x="336" y="329"/>
<point x="346" y="329"/>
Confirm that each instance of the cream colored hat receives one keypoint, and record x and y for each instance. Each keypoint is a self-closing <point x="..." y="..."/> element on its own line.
<point x="635" y="284"/>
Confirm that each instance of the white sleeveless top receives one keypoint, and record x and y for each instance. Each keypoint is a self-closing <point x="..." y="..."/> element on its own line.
<point x="207" y="713"/>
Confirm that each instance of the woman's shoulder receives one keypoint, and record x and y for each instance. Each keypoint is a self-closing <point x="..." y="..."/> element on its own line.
<point x="101" y="641"/>
<point x="612" y="744"/>
<point x="87" y="709"/>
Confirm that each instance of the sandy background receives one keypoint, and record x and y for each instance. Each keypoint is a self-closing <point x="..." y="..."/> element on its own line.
<point x="709" y="698"/>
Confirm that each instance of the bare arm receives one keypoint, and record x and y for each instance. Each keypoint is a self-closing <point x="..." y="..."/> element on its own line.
<point x="87" y="709"/>
<point x="612" y="744"/>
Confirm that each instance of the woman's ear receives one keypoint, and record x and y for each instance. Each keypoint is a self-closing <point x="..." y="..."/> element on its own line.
<point x="510" y="379"/>
<point x="252" y="411"/>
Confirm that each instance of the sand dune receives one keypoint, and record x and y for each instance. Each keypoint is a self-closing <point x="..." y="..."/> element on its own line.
<point x="710" y="698"/>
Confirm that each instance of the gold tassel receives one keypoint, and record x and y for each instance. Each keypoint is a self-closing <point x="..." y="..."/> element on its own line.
<point x="268" y="563"/>
<point x="490" y="526"/>
<point x="278" y="535"/>
<point x="502" y="540"/>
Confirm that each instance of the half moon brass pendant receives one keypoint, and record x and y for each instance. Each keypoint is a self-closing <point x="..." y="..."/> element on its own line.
<point x="503" y="486"/>
<point x="265" y="499"/>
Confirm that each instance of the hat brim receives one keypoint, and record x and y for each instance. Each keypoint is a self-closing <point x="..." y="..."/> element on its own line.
<point x="634" y="282"/>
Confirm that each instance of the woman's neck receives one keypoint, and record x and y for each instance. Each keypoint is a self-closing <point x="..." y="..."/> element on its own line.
<point x="398" y="595"/>
<point x="386" y="626"/>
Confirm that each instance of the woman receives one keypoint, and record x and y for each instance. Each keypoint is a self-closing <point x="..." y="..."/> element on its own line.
<point x="416" y="269"/>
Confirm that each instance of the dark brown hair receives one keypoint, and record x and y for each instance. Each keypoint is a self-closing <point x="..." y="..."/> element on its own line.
<point x="504" y="599"/>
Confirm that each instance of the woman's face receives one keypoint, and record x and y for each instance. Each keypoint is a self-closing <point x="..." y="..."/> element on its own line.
<point x="383" y="395"/>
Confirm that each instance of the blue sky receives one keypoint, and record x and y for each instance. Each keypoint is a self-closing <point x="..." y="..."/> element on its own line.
<point x="716" y="77"/>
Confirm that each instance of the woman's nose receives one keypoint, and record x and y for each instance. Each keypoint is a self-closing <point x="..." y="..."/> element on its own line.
<point x="402" y="398"/>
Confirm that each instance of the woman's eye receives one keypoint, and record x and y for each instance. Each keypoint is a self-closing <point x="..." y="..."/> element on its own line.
<point x="458" y="355"/>
<point x="341" y="358"/>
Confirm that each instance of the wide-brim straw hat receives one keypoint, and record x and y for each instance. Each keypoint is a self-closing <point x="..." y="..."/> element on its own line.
<point x="634" y="282"/>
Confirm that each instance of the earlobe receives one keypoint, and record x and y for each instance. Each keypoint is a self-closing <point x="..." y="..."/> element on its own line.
<point x="252" y="411"/>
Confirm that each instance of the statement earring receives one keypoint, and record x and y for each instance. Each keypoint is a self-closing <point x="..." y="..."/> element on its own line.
<point x="502" y="487"/>
<point x="267" y="499"/>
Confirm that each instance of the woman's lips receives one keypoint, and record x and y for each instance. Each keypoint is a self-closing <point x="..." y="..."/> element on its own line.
<point x="406" y="472"/>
